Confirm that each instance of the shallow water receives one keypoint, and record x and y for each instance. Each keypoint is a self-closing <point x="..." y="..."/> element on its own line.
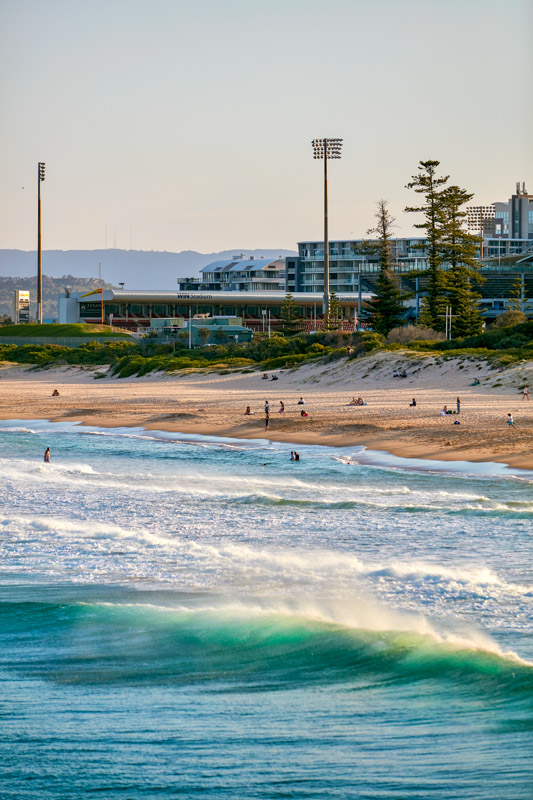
<point x="197" y="617"/>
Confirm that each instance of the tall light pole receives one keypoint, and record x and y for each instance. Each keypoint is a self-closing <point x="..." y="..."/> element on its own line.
<point x="40" y="178"/>
<point x="326" y="149"/>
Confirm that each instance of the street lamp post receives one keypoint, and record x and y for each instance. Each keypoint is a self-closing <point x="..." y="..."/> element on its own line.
<point x="40" y="178"/>
<point x="326" y="149"/>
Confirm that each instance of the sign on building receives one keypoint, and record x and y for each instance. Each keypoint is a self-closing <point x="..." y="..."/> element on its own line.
<point x="21" y="307"/>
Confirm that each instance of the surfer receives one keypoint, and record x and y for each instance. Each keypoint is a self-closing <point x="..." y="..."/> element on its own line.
<point x="47" y="455"/>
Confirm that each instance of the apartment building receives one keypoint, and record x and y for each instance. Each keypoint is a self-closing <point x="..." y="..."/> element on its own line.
<point x="239" y="274"/>
<point x="348" y="260"/>
<point x="510" y="220"/>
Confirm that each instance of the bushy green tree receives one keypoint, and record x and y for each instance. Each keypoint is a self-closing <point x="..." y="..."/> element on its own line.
<point x="289" y="315"/>
<point x="203" y="335"/>
<point x="459" y="252"/>
<point x="385" y="310"/>
<point x="333" y="318"/>
<point x="515" y="295"/>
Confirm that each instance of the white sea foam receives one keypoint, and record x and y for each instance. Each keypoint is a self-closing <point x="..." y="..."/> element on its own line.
<point x="243" y="521"/>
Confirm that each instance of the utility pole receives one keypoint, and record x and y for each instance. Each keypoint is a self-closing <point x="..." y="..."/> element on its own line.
<point x="40" y="177"/>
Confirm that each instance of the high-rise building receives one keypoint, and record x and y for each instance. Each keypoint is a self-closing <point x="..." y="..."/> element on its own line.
<point x="511" y="220"/>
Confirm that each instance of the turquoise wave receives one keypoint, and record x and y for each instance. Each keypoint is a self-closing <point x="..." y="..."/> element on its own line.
<point x="121" y="643"/>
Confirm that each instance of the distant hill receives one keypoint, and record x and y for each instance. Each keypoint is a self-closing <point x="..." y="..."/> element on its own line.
<point x="138" y="269"/>
<point x="52" y="288"/>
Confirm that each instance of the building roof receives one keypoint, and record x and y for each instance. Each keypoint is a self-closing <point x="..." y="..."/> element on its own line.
<point x="240" y="265"/>
<point x="169" y="296"/>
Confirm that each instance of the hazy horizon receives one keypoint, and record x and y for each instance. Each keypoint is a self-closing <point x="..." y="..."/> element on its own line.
<point x="169" y="127"/>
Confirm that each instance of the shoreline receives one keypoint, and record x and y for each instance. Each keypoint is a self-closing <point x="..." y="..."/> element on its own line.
<point x="213" y="405"/>
<point x="386" y="445"/>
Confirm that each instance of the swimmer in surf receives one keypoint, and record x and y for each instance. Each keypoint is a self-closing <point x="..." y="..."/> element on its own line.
<point x="47" y="455"/>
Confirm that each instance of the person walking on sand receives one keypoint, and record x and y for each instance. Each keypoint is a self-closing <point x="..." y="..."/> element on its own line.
<point x="47" y="455"/>
<point x="267" y="407"/>
<point x="458" y="401"/>
<point x="525" y="393"/>
<point x="267" y="420"/>
<point x="510" y="421"/>
<point x="281" y="407"/>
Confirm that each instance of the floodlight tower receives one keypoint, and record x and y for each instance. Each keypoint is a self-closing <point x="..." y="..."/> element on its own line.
<point x="40" y="177"/>
<point x="326" y="149"/>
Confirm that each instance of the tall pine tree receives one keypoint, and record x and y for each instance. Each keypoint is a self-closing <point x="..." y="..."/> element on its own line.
<point x="427" y="183"/>
<point x="515" y="295"/>
<point x="333" y="317"/>
<point x="459" y="252"/>
<point x="385" y="309"/>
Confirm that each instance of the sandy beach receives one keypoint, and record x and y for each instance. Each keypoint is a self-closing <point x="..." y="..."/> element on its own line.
<point x="212" y="403"/>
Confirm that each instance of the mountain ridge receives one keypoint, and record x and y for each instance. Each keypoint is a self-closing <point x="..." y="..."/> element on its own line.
<point x="138" y="269"/>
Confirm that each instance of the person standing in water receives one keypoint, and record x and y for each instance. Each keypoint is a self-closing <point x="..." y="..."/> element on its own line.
<point x="47" y="455"/>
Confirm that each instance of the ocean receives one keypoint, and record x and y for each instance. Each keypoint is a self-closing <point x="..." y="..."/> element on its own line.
<point x="193" y="617"/>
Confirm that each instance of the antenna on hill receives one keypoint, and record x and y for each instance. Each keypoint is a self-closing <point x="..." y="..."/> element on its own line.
<point x="100" y="271"/>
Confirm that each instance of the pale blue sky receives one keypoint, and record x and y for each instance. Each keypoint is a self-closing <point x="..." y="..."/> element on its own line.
<point x="187" y="125"/>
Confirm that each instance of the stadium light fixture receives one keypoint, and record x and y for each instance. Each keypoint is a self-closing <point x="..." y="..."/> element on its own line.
<point x="40" y="178"/>
<point x="326" y="149"/>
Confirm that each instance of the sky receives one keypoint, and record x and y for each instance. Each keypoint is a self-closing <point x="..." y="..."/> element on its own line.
<point x="176" y="125"/>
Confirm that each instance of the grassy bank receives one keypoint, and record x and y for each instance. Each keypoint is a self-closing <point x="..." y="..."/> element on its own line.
<point x="504" y="346"/>
<point x="59" y="331"/>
